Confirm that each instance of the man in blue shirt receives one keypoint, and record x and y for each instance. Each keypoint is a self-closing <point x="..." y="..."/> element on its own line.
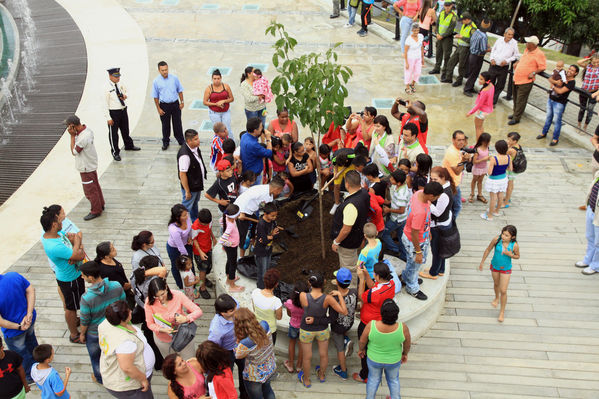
<point x="252" y="153"/>
<point x="168" y="98"/>
<point x="479" y="46"/>
<point x="17" y="317"/>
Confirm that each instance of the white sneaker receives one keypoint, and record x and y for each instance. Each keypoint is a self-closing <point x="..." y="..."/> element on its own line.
<point x="348" y="25"/>
<point x="580" y="264"/>
<point x="588" y="271"/>
<point x="334" y="208"/>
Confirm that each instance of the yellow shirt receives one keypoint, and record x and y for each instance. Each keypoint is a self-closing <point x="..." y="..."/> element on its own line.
<point x="451" y="159"/>
<point x="339" y="179"/>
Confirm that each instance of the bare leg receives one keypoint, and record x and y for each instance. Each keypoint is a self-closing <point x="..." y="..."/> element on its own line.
<point x="508" y="193"/>
<point x="473" y="186"/>
<point x="492" y="202"/>
<point x="478" y="126"/>
<point x="504" y="280"/>
<point x="300" y="357"/>
<point x="203" y="280"/>
<point x="479" y="183"/>
<point x="342" y="360"/>
<point x="307" y="358"/>
<point x="337" y="193"/>
<point x="291" y="351"/>
<point x="323" y="352"/>
<point x="499" y="201"/>
<point x="495" y="288"/>
<point x="70" y="317"/>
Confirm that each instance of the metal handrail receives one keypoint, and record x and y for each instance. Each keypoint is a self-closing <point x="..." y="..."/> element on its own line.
<point x="395" y="15"/>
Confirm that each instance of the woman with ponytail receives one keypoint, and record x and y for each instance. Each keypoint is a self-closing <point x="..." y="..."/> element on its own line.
<point x="484" y="102"/>
<point x="185" y="377"/>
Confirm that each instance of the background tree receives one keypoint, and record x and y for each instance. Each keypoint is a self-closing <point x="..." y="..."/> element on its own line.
<point x="311" y="87"/>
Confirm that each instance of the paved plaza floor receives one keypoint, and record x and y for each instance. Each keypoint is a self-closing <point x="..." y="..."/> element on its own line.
<point x="546" y="347"/>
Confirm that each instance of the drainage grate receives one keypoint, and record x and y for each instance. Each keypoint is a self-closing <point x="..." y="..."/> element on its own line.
<point x="144" y="1"/>
<point x="206" y="126"/>
<point x="224" y="71"/>
<point x="198" y="105"/>
<point x="256" y="65"/>
<point x="209" y="7"/>
<point x="169" y="2"/>
<point x="382" y="103"/>
<point x="250" y="7"/>
<point x="428" y="80"/>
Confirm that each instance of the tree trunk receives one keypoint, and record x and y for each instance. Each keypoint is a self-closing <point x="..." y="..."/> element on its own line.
<point x="321" y="213"/>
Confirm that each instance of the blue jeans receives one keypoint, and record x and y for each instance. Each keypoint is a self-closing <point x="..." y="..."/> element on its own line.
<point x="24" y="344"/>
<point x="258" y="390"/>
<point x="591" y="258"/>
<point x="93" y="348"/>
<point x="405" y="24"/>
<point x="375" y="375"/>
<point x="410" y="273"/>
<point x="259" y="114"/>
<point x="555" y="111"/>
<point x="262" y="264"/>
<point x="438" y="265"/>
<point x="173" y="255"/>
<point x="192" y="203"/>
<point x="390" y="227"/>
<point x="224" y="117"/>
<point x="352" y="14"/>
<point x="457" y="203"/>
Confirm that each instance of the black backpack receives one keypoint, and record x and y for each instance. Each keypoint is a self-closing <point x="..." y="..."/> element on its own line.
<point x="519" y="161"/>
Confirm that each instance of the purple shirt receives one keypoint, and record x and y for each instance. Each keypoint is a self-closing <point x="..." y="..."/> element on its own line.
<point x="177" y="237"/>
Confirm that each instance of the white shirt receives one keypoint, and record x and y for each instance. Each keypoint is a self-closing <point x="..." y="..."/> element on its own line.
<point x="249" y="202"/>
<point x="414" y="48"/>
<point x="111" y="99"/>
<point x="184" y="160"/>
<point x="86" y="160"/>
<point x="503" y="51"/>
<point x="128" y="347"/>
<point x="440" y="207"/>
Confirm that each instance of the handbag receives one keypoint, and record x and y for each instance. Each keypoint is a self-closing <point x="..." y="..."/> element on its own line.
<point x="449" y="241"/>
<point x="186" y="332"/>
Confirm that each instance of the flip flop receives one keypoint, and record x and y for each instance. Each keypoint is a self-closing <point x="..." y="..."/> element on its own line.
<point x="287" y="366"/>
<point x="318" y="374"/>
<point x="300" y="377"/>
<point x="75" y="340"/>
<point x="471" y="199"/>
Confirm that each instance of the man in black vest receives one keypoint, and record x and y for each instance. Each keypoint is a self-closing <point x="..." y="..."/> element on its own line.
<point x="349" y="220"/>
<point x="192" y="172"/>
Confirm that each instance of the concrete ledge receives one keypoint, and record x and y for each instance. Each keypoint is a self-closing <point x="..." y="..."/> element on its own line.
<point x="9" y="81"/>
<point x="418" y="315"/>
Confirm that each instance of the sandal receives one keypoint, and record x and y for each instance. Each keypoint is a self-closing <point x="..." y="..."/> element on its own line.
<point x="300" y="377"/>
<point x="324" y="378"/>
<point x="485" y="216"/>
<point x="75" y="340"/>
<point x="412" y="89"/>
<point x="471" y="199"/>
<point x="481" y="199"/>
<point x="288" y="367"/>
<point x="408" y="90"/>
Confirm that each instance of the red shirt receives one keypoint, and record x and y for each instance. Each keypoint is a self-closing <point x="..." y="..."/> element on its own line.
<point x="222" y="386"/>
<point x="203" y="237"/>
<point x="415" y="119"/>
<point x="375" y="213"/>
<point x="373" y="299"/>
<point x="334" y="133"/>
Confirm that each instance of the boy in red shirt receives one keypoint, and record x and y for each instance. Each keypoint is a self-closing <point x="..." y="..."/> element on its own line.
<point x="203" y="241"/>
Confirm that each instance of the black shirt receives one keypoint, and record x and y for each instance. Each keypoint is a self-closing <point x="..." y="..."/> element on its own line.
<point x="263" y="246"/>
<point x="113" y="273"/>
<point x="418" y="182"/>
<point x="10" y="382"/>
<point x="301" y="183"/>
<point x="224" y="189"/>
<point x="380" y="189"/>
<point x="563" y="98"/>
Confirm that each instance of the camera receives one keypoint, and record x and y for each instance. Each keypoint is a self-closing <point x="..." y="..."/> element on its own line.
<point x="361" y="113"/>
<point x="402" y="102"/>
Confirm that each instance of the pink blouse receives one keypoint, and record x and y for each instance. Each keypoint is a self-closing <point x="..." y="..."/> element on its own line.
<point x="409" y="9"/>
<point x="230" y="237"/>
<point x="484" y="101"/>
<point x="175" y="305"/>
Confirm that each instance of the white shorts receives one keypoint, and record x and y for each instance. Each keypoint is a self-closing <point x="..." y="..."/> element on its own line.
<point x="480" y="114"/>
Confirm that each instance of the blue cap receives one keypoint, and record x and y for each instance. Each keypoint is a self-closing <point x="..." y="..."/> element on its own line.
<point x="343" y="275"/>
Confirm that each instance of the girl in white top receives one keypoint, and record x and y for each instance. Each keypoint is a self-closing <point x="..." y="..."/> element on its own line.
<point x="413" y="58"/>
<point x="267" y="306"/>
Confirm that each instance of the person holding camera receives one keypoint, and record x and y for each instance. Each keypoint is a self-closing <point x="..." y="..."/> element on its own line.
<point x="416" y="114"/>
<point x="454" y="161"/>
<point x="116" y="114"/>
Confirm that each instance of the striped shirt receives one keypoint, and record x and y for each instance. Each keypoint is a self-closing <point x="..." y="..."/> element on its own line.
<point x="95" y="301"/>
<point x="216" y="151"/>
<point x="478" y="43"/>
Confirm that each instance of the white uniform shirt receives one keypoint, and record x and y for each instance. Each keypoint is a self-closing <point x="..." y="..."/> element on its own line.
<point x="86" y="160"/>
<point x="249" y="202"/>
<point x="111" y="99"/>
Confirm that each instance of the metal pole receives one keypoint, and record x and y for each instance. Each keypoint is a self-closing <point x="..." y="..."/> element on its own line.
<point x="515" y="13"/>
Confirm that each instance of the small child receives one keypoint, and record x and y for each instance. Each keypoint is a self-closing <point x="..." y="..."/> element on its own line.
<point x="248" y="178"/>
<point x="309" y="146"/>
<point x="46" y="377"/>
<point x="375" y="215"/>
<point x="190" y="281"/>
<point x="559" y="73"/>
<point x="406" y="166"/>
<point x="287" y="189"/>
<point x="340" y="324"/>
<point x="514" y="151"/>
<point x="266" y="305"/>
<point x="423" y="166"/>
<point x="505" y="249"/>
<point x="203" y="241"/>
<point x="261" y="87"/>
<point x="379" y="186"/>
<point x="229" y="154"/>
<point x="324" y="157"/>
<point x="216" y="148"/>
<point x="278" y="156"/>
<point x="496" y="183"/>
<point x="295" y="313"/>
<point x="230" y="241"/>
<point x="369" y="255"/>
<point x="265" y="232"/>
<point x="480" y="163"/>
<point x="397" y="210"/>
<point x="225" y="186"/>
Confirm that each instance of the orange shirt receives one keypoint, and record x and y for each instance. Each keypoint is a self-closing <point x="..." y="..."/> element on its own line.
<point x="531" y="61"/>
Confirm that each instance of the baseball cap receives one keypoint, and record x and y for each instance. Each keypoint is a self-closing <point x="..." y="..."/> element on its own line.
<point x="343" y="275"/>
<point x="448" y="3"/>
<point x="223" y="164"/>
<point x="466" y="15"/>
<point x="532" y="39"/>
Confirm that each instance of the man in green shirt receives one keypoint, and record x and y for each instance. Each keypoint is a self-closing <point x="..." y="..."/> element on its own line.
<point x="445" y="27"/>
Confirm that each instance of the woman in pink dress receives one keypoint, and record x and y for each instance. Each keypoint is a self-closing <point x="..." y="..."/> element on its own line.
<point x="484" y="103"/>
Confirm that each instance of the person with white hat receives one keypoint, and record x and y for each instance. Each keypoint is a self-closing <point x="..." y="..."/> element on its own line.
<point x="116" y="114"/>
<point x="533" y="61"/>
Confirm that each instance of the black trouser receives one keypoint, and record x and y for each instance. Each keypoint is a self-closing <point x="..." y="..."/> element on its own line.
<point x="364" y="369"/>
<point x="365" y="16"/>
<point x="498" y="78"/>
<point x="584" y="100"/>
<point x="231" y="266"/>
<point x="120" y="121"/>
<point x="171" y="112"/>
<point x="428" y="37"/>
<point x="150" y="338"/>
<point x="475" y="63"/>
<point x="240" y="366"/>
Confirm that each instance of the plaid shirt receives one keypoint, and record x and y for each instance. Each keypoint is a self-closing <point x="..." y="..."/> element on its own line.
<point x="478" y="43"/>
<point x="591" y="79"/>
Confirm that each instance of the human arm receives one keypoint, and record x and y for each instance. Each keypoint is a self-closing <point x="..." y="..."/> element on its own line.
<point x="177" y="236"/>
<point x="126" y="363"/>
<point x="395" y="109"/>
<point x="295" y="173"/>
<point x="21" y="373"/>
<point x="212" y="192"/>
<point x="207" y="103"/>
<point x="193" y="311"/>
<point x="294" y="131"/>
<point x="279" y="310"/>
<point x="337" y="304"/>
<point x="230" y="92"/>
<point x="248" y="95"/>
<point x="595" y="139"/>
<point x="364" y="341"/>
<point x="30" y="295"/>
<point x="151" y="323"/>
<point x="170" y="393"/>
<point x="451" y="28"/>
<point x="563" y="89"/>
<point x="107" y="107"/>
<point x="491" y="166"/>
<point x="180" y="91"/>
<point x="583" y="62"/>
<point x="476" y="159"/>
<point x="441" y="205"/>
<point x="78" y="253"/>
<point x="157" y="104"/>
<point x="487" y="252"/>
<point x="415" y="238"/>
<point x="67" y="375"/>
<point x="185" y="183"/>
<point x="159" y="271"/>
<point x="407" y="343"/>
<point x="514" y="253"/>
<point x="343" y="233"/>
<point x="401" y="210"/>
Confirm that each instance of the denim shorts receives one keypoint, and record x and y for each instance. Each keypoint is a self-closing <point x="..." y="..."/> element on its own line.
<point x="293" y="333"/>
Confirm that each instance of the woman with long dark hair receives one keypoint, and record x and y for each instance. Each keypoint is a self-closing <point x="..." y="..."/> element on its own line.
<point x="215" y="363"/>
<point x="484" y="103"/>
<point x="143" y="245"/>
<point x="185" y="377"/>
<point x="300" y="168"/>
<point x="218" y="97"/>
<point x="252" y="105"/>
<point x="382" y="148"/>
<point x="424" y="163"/>
<point x="179" y="240"/>
<point x="112" y="269"/>
<point x="428" y="17"/>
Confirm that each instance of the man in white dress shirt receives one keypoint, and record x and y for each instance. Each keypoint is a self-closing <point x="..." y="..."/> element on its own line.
<point x="116" y="114"/>
<point x="503" y="53"/>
